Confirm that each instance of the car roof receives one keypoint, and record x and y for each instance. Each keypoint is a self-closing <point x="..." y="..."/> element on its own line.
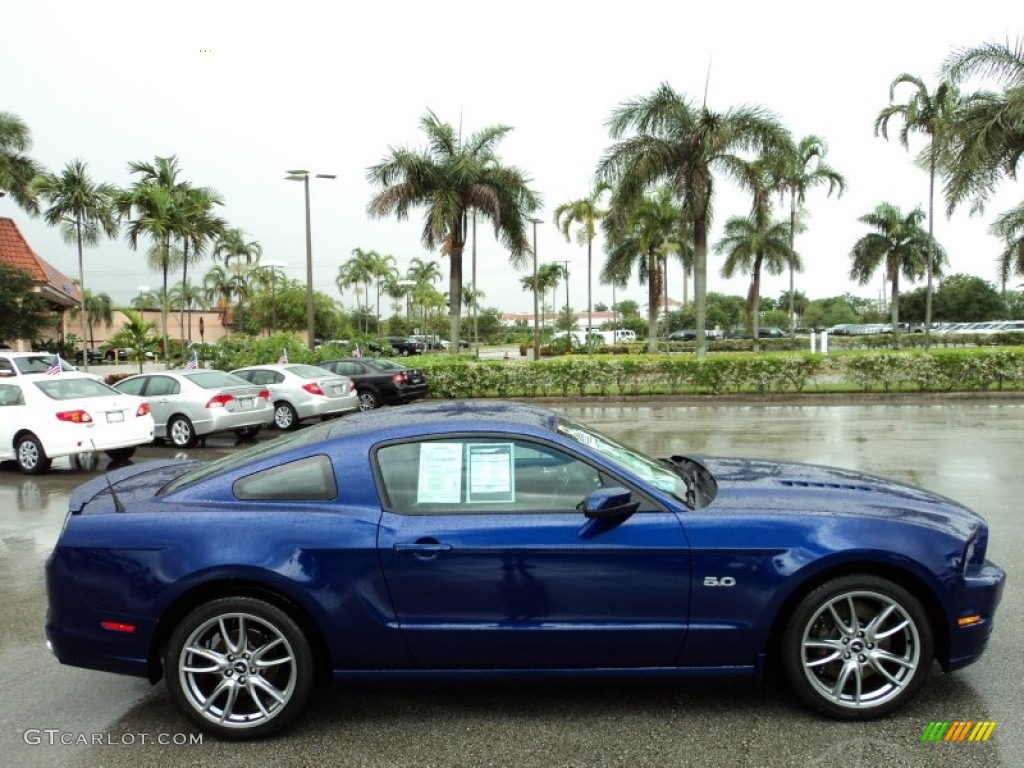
<point x="441" y="415"/>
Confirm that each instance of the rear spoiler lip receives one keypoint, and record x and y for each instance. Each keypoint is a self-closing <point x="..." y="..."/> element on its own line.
<point x="89" y="490"/>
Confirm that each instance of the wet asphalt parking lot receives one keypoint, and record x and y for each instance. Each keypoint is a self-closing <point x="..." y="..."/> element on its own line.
<point x="969" y="449"/>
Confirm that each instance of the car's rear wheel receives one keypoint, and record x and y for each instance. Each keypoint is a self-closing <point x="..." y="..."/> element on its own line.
<point x="121" y="454"/>
<point x="368" y="400"/>
<point x="181" y="432"/>
<point x="30" y="456"/>
<point x="239" y="667"/>
<point x="857" y="647"/>
<point x="285" y="417"/>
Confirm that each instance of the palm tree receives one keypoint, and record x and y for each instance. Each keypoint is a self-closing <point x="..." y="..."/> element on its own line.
<point x="382" y="268"/>
<point x="361" y="268"/>
<point x="988" y="136"/>
<point x="650" y="232"/>
<point x="449" y="178"/>
<point x="232" y="246"/>
<point x="685" y="145"/>
<point x="99" y="308"/>
<point x="84" y="211"/>
<point x="899" y="245"/>
<point x="934" y="115"/>
<point x="1010" y="228"/>
<point x="153" y="200"/>
<point x="17" y="169"/>
<point x="217" y="288"/>
<point x="136" y="336"/>
<point x="804" y="168"/>
<point x="197" y="227"/>
<point x="586" y="213"/>
<point x="751" y="244"/>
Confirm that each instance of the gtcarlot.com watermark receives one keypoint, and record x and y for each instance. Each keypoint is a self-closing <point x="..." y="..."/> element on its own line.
<point x="57" y="737"/>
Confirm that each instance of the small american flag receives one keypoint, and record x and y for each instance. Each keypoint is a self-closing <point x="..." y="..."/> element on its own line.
<point x="193" y="362"/>
<point x="55" y="367"/>
<point x="283" y="359"/>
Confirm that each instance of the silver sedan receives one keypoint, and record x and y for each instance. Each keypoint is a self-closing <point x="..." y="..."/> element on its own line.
<point x="301" y="392"/>
<point x="189" y="404"/>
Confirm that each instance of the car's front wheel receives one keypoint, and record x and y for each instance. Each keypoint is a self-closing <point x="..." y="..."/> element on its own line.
<point x="30" y="455"/>
<point x="285" y="416"/>
<point x="857" y="647"/>
<point x="239" y="667"/>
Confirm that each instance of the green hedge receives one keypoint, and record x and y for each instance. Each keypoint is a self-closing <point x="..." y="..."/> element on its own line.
<point x="583" y="375"/>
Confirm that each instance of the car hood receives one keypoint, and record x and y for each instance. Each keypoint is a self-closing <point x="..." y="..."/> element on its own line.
<point x="791" y="488"/>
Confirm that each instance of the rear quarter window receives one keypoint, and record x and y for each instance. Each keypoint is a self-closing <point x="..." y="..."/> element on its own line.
<point x="307" y="479"/>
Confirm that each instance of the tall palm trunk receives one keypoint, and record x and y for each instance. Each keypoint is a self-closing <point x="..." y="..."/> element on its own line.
<point x="894" y="302"/>
<point x="184" y="282"/>
<point x="753" y="300"/>
<point x="590" y="304"/>
<point x="931" y="249"/>
<point x="653" y="292"/>
<point x="792" y="247"/>
<point x="81" y="287"/>
<point x="700" y="281"/>
<point x="458" y="244"/>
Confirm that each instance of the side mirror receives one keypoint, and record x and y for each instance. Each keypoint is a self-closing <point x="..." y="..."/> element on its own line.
<point x="605" y="503"/>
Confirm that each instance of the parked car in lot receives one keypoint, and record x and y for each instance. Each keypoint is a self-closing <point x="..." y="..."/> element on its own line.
<point x="301" y="392"/>
<point x="190" y="404"/>
<point x="29" y="363"/>
<point x="43" y="417"/>
<point x="489" y="540"/>
<point x="95" y="356"/>
<point x="399" y="346"/>
<point x="380" y="382"/>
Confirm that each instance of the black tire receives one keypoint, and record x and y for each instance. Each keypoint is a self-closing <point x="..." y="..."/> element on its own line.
<point x="121" y="454"/>
<point x="247" y="433"/>
<point x="368" y="400"/>
<point x="267" y="645"/>
<point x="30" y="456"/>
<point x="285" y="416"/>
<point x="180" y="432"/>
<point x="405" y="351"/>
<point x="857" y="648"/>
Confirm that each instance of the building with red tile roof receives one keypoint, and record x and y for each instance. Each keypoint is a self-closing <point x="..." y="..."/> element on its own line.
<point x="57" y="288"/>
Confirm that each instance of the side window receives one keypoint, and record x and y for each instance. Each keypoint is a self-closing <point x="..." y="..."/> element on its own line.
<point x="247" y="375"/>
<point x="10" y="395"/>
<point x="471" y="475"/>
<point x="6" y="367"/>
<point x="161" y="385"/>
<point x="131" y="387"/>
<point x="308" y="479"/>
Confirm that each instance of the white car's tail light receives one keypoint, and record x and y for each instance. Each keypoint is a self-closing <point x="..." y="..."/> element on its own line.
<point x="75" y="417"/>
<point x="313" y="388"/>
<point x="143" y="410"/>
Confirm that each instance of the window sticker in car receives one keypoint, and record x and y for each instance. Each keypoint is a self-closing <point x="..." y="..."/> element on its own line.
<point x="490" y="472"/>
<point x="440" y="478"/>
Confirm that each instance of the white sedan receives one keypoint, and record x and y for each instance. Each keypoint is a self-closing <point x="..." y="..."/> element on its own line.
<point x="42" y="417"/>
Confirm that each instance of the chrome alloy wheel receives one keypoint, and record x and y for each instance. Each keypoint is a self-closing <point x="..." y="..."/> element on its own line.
<point x="238" y="670"/>
<point x="860" y="649"/>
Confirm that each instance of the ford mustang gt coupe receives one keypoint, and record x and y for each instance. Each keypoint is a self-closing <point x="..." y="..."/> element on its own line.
<point x="495" y="540"/>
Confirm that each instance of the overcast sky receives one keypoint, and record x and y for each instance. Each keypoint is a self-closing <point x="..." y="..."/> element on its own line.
<point x="242" y="91"/>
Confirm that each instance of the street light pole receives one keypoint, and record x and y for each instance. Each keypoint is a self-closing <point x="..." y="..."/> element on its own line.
<point x="303" y="176"/>
<point x="536" y="307"/>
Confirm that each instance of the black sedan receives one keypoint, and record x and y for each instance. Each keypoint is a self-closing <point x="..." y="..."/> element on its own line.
<point x="380" y="382"/>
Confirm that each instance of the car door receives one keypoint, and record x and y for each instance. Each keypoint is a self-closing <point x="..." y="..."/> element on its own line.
<point x="12" y="417"/>
<point x="164" y="396"/>
<point x="489" y="563"/>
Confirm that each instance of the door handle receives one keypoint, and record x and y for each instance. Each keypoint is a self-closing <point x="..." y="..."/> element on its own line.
<point x="423" y="547"/>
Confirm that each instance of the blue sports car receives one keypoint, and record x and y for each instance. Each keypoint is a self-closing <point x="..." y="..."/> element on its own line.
<point x="469" y="540"/>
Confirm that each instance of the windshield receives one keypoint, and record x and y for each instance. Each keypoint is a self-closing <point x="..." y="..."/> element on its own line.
<point x="633" y="462"/>
<point x="255" y="453"/>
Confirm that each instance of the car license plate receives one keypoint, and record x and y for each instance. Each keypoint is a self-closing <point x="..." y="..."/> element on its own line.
<point x="245" y="402"/>
<point x="114" y="416"/>
<point x="339" y="390"/>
